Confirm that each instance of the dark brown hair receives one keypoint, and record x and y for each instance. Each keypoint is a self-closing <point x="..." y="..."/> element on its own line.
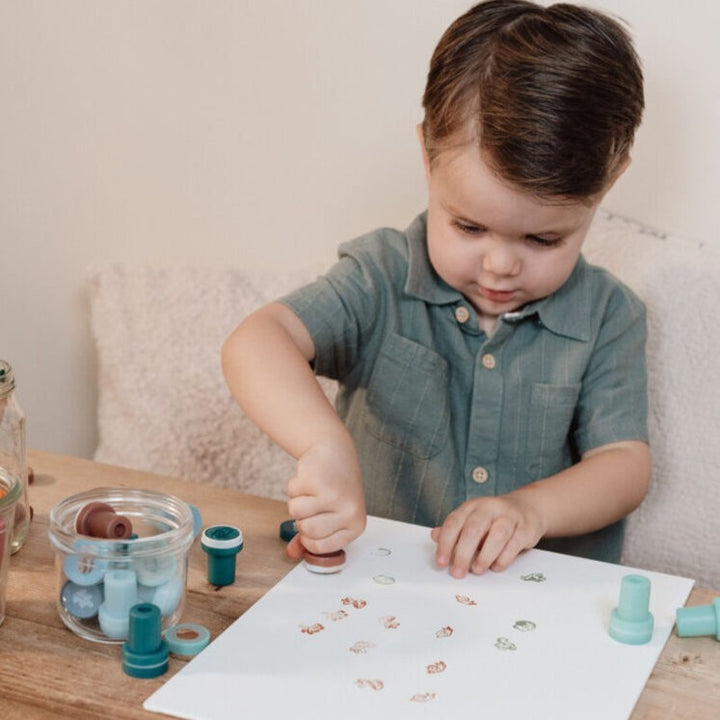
<point x="551" y="96"/>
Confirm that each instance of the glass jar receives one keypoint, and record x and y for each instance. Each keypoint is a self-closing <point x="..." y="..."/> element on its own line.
<point x="10" y="492"/>
<point x="13" y="461"/>
<point x="100" y="579"/>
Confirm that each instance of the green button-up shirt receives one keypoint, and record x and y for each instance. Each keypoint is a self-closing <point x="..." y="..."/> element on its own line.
<point x="439" y="411"/>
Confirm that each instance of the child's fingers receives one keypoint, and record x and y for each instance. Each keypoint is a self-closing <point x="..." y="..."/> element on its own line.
<point x="305" y="506"/>
<point x="320" y="527"/>
<point x="297" y="487"/>
<point x="460" y="536"/>
<point x="297" y="546"/>
<point x="498" y="538"/>
<point x="447" y="536"/>
<point x="295" y="549"/>
<point x="509" y="553"/>
<point x="466" y="548"/>
<point x="332" y="543"/>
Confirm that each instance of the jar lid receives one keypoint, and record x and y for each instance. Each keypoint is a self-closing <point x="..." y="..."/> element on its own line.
<point x="187" y="639"/>
<point x="222" y="537"/>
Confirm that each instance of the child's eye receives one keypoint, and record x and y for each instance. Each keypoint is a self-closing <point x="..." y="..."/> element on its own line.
<point x="468" y="228"/>
<point x="544" y="242"/>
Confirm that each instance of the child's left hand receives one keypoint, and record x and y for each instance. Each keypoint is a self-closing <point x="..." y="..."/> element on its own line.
<point x="488" y="532"/>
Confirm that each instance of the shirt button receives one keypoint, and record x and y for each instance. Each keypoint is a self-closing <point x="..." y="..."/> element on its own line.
<point x="462" y="314"/>
<point x="488" y="361"/>
<point x="480" y="475"/>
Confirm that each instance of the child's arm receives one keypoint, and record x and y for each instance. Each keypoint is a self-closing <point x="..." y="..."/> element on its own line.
<point x="266" y="362"/>
<point x="607" y="484"/>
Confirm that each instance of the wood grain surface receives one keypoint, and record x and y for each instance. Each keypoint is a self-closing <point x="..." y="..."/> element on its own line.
<point x="47" y="672"/>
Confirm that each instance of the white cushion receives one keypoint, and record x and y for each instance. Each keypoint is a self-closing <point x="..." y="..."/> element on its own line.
<point x="163" y="405"/>
<point x="677" y="528"/>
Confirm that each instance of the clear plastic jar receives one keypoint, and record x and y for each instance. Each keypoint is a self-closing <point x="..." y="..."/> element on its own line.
<point x="13" y="460"/>
<point x="10" y="493"/>
<point x="99" y="580"/>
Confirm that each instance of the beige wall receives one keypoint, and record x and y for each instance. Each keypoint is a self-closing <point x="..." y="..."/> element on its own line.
<point x="236" y="132"/>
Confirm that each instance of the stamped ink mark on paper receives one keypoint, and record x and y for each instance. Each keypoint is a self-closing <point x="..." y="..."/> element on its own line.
<point x="361" y="647"/>
<point x="368" y="683"/>
<point x="337" y="615"/>
<point x="390" y="622"/>
<point x="537" y="577"/>
<point x="465" y="600"/>
<point x="311" y="629"/>
<point x="384" y="579"/>
<point x="423" y="697"/>
<point x="524" y="625"/>
<point x="382" y="552"/>
<point x="444" y="632"/>
<point x="436" y="667"/>
<point x="502" y="643"/>
<point x="357" y="604"/>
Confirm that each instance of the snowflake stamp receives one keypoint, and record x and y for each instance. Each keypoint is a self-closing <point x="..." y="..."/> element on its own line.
<point x="83" y="599"/>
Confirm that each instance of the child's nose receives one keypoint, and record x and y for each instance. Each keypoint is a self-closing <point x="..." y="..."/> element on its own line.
<point x="500" y="258"/>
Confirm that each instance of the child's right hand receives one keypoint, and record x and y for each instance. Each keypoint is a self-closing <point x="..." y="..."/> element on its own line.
<point x="326" y="499"/>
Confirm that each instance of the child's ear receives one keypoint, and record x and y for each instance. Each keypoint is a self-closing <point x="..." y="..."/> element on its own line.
<point x="423" y="149"/>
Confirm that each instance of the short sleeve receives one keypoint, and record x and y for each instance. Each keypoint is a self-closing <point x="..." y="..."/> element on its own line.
<point x="342" y="309"/>
<point x="613" y="401"/>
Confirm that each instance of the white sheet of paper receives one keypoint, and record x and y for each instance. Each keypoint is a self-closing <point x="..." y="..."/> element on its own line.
<point x="528" y="642"/>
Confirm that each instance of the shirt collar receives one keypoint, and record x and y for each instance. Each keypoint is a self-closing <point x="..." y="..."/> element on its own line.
<point x="566" y="312"/>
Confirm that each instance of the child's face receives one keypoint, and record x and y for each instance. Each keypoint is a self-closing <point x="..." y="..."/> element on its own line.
<point x="499" y="246"/>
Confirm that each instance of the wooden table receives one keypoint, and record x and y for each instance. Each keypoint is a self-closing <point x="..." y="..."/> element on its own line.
<point x="47" y="672"/>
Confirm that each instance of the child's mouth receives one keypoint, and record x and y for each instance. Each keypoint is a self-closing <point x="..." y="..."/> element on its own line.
<point x="497" y="296"/>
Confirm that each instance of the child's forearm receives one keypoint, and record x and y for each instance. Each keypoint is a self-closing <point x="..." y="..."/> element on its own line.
<point x="266" y="366"/>
<point x="606" y="485"/>
<point x="266" y="362"/>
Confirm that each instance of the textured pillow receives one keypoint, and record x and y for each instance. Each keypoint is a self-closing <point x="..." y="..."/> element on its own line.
<point x="163" y="405"/>
<point x="677" y="527"/>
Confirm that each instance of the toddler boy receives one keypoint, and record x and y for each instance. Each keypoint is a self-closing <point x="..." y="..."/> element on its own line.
<point x="492" y="383"/>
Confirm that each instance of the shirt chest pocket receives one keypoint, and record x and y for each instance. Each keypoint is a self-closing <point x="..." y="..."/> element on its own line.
<point x="550" y="417"/>
<point x="407" y="403"/>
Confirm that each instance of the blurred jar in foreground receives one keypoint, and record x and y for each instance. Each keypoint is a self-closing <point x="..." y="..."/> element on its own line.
<point x="13" y="461"/>
<point x="10" y="492"/>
